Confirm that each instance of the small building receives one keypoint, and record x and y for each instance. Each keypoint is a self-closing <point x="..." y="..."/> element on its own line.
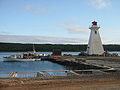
<point x="57" y="52"/>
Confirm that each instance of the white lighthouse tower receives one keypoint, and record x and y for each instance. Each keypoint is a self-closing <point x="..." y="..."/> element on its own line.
<point x="95" y="46"/>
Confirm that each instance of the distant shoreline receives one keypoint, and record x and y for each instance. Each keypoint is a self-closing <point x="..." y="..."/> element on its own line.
<point x="18" y="47"/>
<point x="45" y="51"/>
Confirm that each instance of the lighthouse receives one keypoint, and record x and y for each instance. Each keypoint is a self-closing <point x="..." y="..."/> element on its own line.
<point x="95" y="46"/>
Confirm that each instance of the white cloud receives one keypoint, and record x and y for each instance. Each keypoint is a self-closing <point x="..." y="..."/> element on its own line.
<point x="53" y="40"/>
<point x="41" y="39"/>
<point x="4" y="32"/>
<point x="100" y="3"/>
<point x="28" y="8"/>
<point x="39" y="11"/>
<point x="109" y="40"/>
<point x="74" y="29"/>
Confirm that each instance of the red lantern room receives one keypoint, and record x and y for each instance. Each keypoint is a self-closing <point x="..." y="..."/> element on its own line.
<point x="94" y="23"/>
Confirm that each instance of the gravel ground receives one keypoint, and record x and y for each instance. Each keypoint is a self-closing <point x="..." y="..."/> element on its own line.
<point x="108" y="82"/>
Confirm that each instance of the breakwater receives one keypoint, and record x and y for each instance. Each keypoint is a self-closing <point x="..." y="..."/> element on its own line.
<point x="75" y="66"/>
<point x="72" y="63"/>
<point x="81" y="66"/>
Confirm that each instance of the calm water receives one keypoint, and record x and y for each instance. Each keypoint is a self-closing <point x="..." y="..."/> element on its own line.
<point x="31" y="66"/>
<point x="27" y="66"/>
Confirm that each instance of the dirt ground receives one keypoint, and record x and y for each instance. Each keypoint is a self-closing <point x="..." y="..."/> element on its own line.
<point x="64" y="83"/>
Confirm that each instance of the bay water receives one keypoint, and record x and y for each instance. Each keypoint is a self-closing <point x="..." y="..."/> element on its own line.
<point x="32" y="65"/>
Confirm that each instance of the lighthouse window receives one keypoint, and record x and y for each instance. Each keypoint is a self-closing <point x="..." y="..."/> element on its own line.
<point x="95" y="32"/>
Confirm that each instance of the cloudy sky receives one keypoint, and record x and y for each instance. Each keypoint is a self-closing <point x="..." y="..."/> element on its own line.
<point x="58" y="21"/>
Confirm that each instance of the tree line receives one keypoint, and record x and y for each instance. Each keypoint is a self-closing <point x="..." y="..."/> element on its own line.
<point x="18" y="47"/>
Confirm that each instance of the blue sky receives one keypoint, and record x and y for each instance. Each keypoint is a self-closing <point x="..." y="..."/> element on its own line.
<point x="58" y="21"/>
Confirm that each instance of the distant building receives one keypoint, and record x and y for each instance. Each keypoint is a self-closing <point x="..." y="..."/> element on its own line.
<point x="95" y="46"/>
<point x="57" y="52"/>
